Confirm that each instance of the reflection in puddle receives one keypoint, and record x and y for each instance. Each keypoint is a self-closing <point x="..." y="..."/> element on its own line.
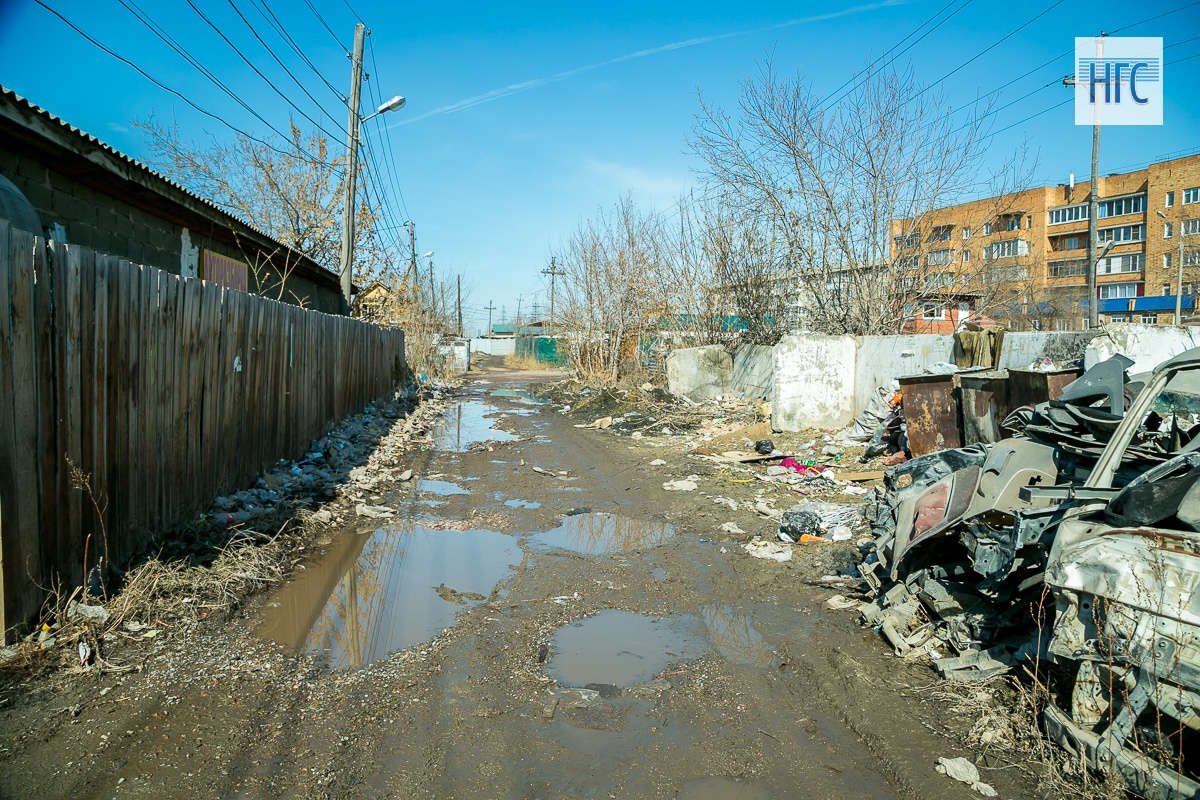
<point x="467" y="423"/>
<point x="431" y="503"/>
<point x="604" y="533"/>
<point x="620" y="648"/>
<point x="442" y="488"/>
<point x="735" y="638"/>
<point x="522" y="504"/>
<point x="722" y="788"/>
<point x="524" y="395"/>
<point x="374" y="594"/>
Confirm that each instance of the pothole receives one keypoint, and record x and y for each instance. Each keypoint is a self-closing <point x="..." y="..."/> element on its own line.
<point x="599" y="532"/>
<point x="621" y="649"/>
<point x="377" y="593"/>
<point x="466" y="423"/>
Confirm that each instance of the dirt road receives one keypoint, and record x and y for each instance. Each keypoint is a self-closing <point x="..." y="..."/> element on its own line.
<point x="610" y="642"/>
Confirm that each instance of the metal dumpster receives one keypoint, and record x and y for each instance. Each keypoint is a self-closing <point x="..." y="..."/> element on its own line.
<point x="930" y="412"/>
<point x="983" y="401"/>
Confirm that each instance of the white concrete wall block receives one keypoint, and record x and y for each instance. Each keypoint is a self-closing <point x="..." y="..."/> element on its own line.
<point x="885" y="358"/>
<point x="1147" y="345"/>
<point x="753" y="371"/>
<point x="699" y="373"/>
<point x="814" y="382"/>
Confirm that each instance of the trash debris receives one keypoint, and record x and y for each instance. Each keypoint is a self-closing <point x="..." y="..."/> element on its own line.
<point x="816" y="519"/>
<point x="764" y="447"/>
<point x="658" y="462"/>
<point x="405" y="477"/>
<point x="374" y="512"/>
<point x="97" y="614"/>
<point x="604" y="423"/>
<point x="682" y="485"/>
<point x="962" y="770"/>
<point x="841" y="603"/>
<point x="773" y="551"/>
<point x="732" y="527"/>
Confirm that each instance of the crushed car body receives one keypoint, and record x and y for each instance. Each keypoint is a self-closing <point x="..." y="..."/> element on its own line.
<point x="1078" y="542"/>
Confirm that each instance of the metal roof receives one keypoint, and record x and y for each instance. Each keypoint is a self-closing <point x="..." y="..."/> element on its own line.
<point x="13" y="98"/>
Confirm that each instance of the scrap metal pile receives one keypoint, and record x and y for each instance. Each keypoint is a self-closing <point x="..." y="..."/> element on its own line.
<point x="1076" y="541"/>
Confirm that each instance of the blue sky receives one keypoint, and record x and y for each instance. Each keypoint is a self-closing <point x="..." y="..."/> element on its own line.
<point x="523" y="119"/>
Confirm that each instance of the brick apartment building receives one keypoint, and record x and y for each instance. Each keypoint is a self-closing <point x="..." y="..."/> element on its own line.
<point x="1020" y="259"/>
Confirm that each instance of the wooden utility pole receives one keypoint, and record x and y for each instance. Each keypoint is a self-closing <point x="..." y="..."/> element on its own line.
<point x="552" y="272"/>
<point x="458" y="281"/>
<point x="518" y="325"/>
<point x="490" y="308"/>
<point x="432" y="289"/>
<point x="351" y="165"/>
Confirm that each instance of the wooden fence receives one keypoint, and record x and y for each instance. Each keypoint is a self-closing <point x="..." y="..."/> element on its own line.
<point x="166" y="391"/>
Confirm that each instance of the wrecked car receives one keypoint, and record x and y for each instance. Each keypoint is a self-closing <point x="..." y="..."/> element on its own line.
<point x="1097" y="506"/>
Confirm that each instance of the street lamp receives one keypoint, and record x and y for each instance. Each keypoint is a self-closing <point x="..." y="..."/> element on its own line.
<point x="1179" y="272"/>
<point x="432" y="288"/>
<point x="352" y="159"/>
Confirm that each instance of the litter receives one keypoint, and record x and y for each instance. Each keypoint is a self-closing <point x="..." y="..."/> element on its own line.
<point x="658" y="462"/>
<point x="374" y="512"/>
<point x="681" y="485"/>
<point x="601" y="424"/>
<point x="841" y="603"/>
<point x="732" y="527"/>
<point x="772" y="551"/>
<point x="962" y="770"/>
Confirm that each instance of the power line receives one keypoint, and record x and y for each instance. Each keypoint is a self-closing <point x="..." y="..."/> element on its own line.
<point x="897" y="55"/>
<point x="258" y="72"/>
<point x="325" y="24"/>
<point x="391" y="153"/>
<point x="275" y="23"/>
<point x="175" y="92"/>
<point x="282" y="66"/>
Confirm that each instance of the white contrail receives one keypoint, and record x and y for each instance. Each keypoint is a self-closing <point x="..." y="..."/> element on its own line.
<point x="524" y="86"/>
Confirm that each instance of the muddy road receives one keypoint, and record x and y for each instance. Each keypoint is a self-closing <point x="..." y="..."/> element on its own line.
<point x="513" y="633"/>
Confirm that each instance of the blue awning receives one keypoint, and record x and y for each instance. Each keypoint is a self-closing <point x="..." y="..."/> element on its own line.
<point x="1162" y="303"/>
<point x="1115" y="304"/>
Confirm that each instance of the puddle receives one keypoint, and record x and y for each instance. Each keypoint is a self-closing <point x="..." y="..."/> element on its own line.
<point x="431" y="503"/>
<point x="468" y="423"/>
<point x="620" y="648"/>
<point x="376" y="593"/>
<point x="599" y="532"/>
<point x="522" y="504"/>
<point x="440" y="488"/>
<point x="735" y="638"/>
<point x="722" y="788"/>
<point x="524" y="395"/>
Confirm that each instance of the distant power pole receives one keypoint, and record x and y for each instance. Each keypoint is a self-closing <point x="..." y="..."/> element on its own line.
<point x="518" y="326"/>
<point x="432" y="288"/>
<point x="412" y="254"/>
<point x="553" y="271"/>
<point x="490" y="308"/>
<point x="459" y="282"/>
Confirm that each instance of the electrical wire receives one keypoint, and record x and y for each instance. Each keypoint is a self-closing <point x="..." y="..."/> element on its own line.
<point x="391" y="153"/>
<point x="258" y="72"/>
<point x="282" y="66"/>
<point x="265" y="10"/>
<point x="325" y="24"/>
<point x="175" y="92"/>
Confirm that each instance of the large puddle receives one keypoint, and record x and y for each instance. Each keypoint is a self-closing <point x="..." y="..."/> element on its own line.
<point x="467" y="423"/>
<point x="376" y="593"/>
<point x="441" y="488"/>
<point x="621" y="648"/>
<point x="527" y="396"/>
<point x="599" y="532"/>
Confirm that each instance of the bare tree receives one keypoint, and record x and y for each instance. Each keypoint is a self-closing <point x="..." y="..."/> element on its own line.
<point x="291" y="190"/>
<point x="823" y="184"/>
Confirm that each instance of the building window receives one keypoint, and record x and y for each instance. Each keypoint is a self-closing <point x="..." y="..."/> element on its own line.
<point x="1191" y="195"/>
<point x="1058" y="216"/>
<point x="1068" y="269"/>
<point x="1123" y="233"/>
<point x="1012" y="224"/>
<point x="966" y="256"/>
<point x="1062" y="324"/>
<point x="964" y="279"/>
<point x="1166" y="290"/>
<point x="1169" y="199"/>
<point x="941" y="280"/>
<point x="911" y="240"/>
<point x="939" y="258"/>
<point x="1168" y="230"/>
<point x="987" y="229"/>
<point x="933" y="311"/>
<point x="1189" y="288"/>
<point x="1008" y="248"/>
<point x="1149" y="319"/>
<point x="908" y="262"/>
<point x="1167" y="259"/>
<point x="1190" y="227"/>
<point x="1112" y="265"/>
<point x="1010" y="274"/>
<point x="966" y="232"/>
<point x="1123" y="205"/>
<point x="1066" y="243"/>
<point x="1118" y="291"/>
<point x="941" y="233"/>
<point x="1191" y="258"/>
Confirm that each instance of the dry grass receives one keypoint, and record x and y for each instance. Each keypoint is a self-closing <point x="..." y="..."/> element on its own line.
<point x="528" y="363"/>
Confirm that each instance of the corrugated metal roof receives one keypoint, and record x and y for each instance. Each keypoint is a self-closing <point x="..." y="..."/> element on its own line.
<point x="16" y="99"/>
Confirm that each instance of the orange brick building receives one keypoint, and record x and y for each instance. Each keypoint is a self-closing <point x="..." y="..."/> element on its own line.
<point x="1020" y="259"/>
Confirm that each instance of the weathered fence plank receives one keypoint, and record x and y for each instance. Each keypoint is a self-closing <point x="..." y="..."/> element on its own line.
<point x="164" y="391"/>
